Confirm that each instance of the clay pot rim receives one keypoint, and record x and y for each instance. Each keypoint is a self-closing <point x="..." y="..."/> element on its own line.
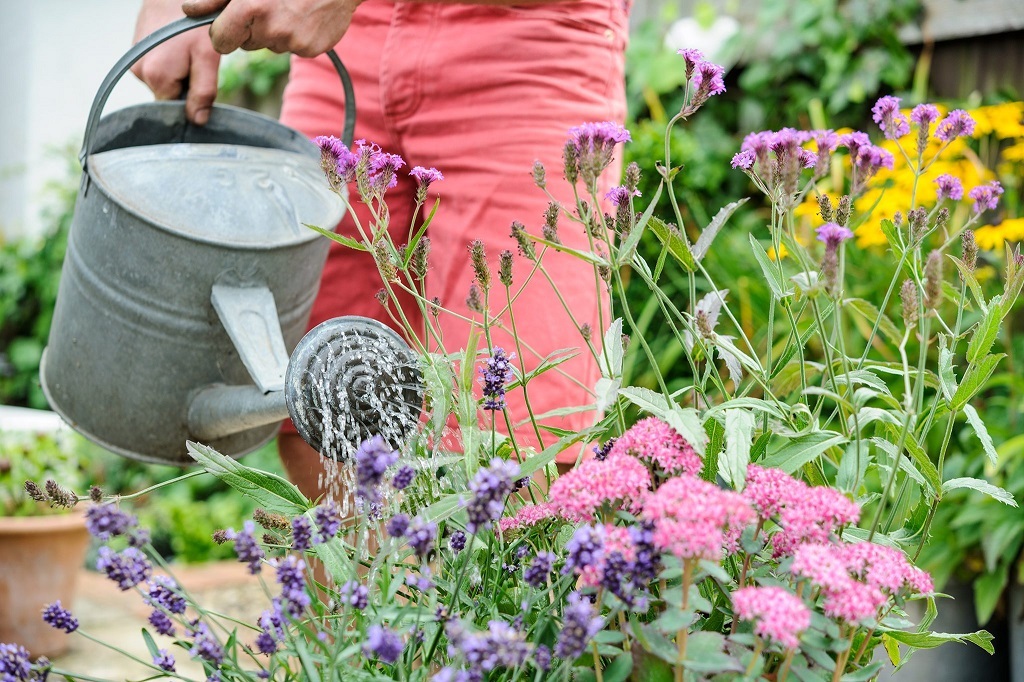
<point x="29" y="525"/>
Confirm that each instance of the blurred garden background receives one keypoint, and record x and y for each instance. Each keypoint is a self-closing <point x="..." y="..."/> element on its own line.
<point x="821" y="63"/>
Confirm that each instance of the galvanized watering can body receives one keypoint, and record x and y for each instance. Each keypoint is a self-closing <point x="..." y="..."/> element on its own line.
<point x="188" y="268"/>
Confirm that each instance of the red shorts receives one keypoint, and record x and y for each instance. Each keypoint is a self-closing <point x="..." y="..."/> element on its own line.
<point x="478" y="92"/>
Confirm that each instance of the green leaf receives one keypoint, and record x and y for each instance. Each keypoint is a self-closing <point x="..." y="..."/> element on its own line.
<point x="625" y="252"/>
<point x="802" y="449"/>
<point x="700" y="249"/>
<point x="869" y="312"/>
<point x="686" y="421"/>
<point x="975" y="378"/>
<point x="272" y="492"/>
<point x="705" y="654"/>
<point x="411" y="246"/>
<point x="771" y="271"/>
<point x="892" y="235"/>
<point x="340" y="238"/>
<point x="947" y="377"/>
<point x="988" y="589"/>
<point x="920" y="459"/>
<point x="985" y="334"/>
<point x="995" y="492"/>
<point x="154" y="650"/>
<point x="619" y="669"/>
<point x="582" y="255"/>
<point x="930" y="640"/>
<point x="611" y="351"/>
<point x="968" y="276"/>
<point x="739" y="429"/>
<point x="868" y="672"/>
<point x="649" y="401"/>
<point x="674" y="242"/>
<point x="982" y="433"/>
<point x="892" y="647"/>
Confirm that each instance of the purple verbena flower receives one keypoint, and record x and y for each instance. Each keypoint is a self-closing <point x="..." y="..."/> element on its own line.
<point x="833" y="234"/>
<point x="302" y="533"/>
<point x="490" y="487"/>
<point x="105" y="521"/>
<point x="403" y="477"/>
<point x="986" y="197"/>
<point x="886" y="113"/>
<point x="383" y="170"/>
<point x="355" y="595"/>
<point x="373" y="457"/>
<point x="424" y="178"/>
<point x="592" y="145"/>
<point x="162" y="623"/>
<point x="579" y="625"/>
<point x="744" y="159"/>
<point x="58" y="617"/>
<point x="328" y="520"/>
<point x="247" y="549"/>
<point x="127" y="569"/>
<point x="164" y="660"/>
<point x="164" y="593"/>
<point x="708" y="80"/>
<point x="421" y="535"/>
<point x="853" y="142"/>
<point x="950" y="187"/>
<point x="398" y="525"/>
<point x="620" y="194"/>
<point x="539" y="571"/>
<point x="383" y="644"/>
<point x="494" y="376"/>
<point x="957" y="123"/>
<point x="692" y="57"/>
<point x="924" y="115"/>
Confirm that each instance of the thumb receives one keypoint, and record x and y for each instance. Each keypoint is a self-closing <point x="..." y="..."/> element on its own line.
<point x="199" y="8"/>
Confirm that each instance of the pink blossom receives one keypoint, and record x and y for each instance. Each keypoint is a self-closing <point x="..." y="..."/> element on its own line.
<point x="652" y="440"/>
<point x="777" y="614"/>
<point x="811" y="517"/>
<point x="854" y="603"/>
<point x="614" y="482"/>
<point x="768" y="490"/>
<point x="527" y="516"/>
<point x="886" y="568"/>
<point x="694" y="519"/>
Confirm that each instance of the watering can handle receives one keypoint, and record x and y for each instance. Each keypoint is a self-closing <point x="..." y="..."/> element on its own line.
<point x="166" y="33"/>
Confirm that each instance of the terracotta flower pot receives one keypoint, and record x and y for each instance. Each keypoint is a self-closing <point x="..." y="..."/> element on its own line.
<point x="40" y="557"/>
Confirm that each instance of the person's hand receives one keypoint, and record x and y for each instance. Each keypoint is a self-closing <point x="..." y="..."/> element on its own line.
<point x="189" y="58"/>
<point x="306" y="28"/>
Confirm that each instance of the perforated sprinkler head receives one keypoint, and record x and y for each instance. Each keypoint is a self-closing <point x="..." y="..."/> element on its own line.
<point x="351" y="378"/>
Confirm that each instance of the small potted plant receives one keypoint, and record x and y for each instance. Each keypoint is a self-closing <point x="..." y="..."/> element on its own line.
<point x="43" y="539"/>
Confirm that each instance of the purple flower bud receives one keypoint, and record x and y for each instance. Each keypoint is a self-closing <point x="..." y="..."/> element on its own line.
<point x="355" y="595"/>
<point x="579" y="625"/>
<point x="162" y="623"/>
<point x="957" y="123"/>
<point x="164" y="593"/>
<point x="490" y="487"/>
<point x="383" y="644"/>
<point x="56" y="616"/>
<point x="105" y="521"/>
<point x="421" y="535"/>
<point x="373" y="457"/>
<point x="457" y="543"/>
<point x="246" y="547"/>
<point x="164" y="660"/>
<point x="403" y="477"/>
<point x="398" y="525"/>
<point x="205" y="645"/>
<point x="302" y="534"/>
<point x="328" y="520"/>
<point x="692" y="57"/>
<point x="495" y="375"/>
<point x="538" y="572"/>
<point x="127" y="569"/>
<point x="620" y="194"/>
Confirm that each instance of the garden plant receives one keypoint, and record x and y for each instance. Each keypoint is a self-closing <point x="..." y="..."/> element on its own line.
<point x="761" y="521"/>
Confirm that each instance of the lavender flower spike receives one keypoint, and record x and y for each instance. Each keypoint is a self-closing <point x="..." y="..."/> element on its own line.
<point x="246" y="547"/>
<point x="383" y="644"/>
<point x="579" y="625"/>
<point x="373" y="457"/>
<point x="56" y="616"/>
<point x="490" y="487"/>
<point x="495" y="375"/>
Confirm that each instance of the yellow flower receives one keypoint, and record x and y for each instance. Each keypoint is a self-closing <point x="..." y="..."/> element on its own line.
<point x="992" y="237"/>
<point x="1005" y="120"/>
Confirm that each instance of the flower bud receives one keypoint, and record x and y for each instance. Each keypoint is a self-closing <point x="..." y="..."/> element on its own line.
<point x="970" y="249"/>
<point x="571" y="159"/>
<point x="933" y="280"/>
<point x="385" y="263"/>
<point x="908" y="294"/>
<point x="505" y="267"/>
<point x="586" y="331"/>
<point x="473" y="301"/>
<point x="220" y="536"/>
<point x="418" y="262"/>
<point x="550" y="230"/>
<point x="35" y="492"/>
<point x="918" y="219"/>
<point x="539" y="175"/>
<point x="523" y="241"/>
<point x="842" y="216"/>
<point x="60" y="496"/>
<point x="825" y="208"/>
<point x="479" y="259"/>
<point x="96" y="494"/>
<point x="382" y="296"/>
<point x="270" y="520"/>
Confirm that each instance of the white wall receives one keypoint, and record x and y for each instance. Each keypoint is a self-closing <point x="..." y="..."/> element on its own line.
<point x="53" y="55"/>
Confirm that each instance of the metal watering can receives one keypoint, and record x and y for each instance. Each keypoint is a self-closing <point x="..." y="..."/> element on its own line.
<point x="189" y="277"/>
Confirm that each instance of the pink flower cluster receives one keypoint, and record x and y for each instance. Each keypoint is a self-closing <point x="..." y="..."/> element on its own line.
<point x="527" y="516"/>
<point x="694" y="519"/>
<point x="652" y="440"/>
<point x="857" y="579"/>
<point x="777" y="614"/>
<point x="617" y="482"/>
<point x="805" y="514"/>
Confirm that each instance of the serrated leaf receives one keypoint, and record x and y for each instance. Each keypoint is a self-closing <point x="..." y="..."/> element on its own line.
<point x="770" y="270"/>
<point x="872" y="314"/>
<point x="982" y="433"/>
<point x="649" y="401"/>
<point x="801" y="450"/>
<point x="920" y="459"/>
<point x="700" y="249"/>
<point x="732" y="465"/>
<point x="674" y="242"/>
<point x="272" y="492"/>
<point x="967" y="275"/>
<point x="995" y="492"/>
<point x="892" y="235"/>
<point x="985" y="334"/>
<point x="611" y="351"/>
<point x="947" y="376"/>
<point x="975" y="378"/>
<point x="340" y="238"/>
<point x="686" y="421"/>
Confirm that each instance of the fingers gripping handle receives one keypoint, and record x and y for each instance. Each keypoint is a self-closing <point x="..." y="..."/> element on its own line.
<point x="166" y="33"/>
